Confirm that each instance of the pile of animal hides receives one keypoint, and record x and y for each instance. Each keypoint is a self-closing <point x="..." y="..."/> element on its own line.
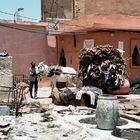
<point x="54" y="70"/>
<point x="102" y="66"/>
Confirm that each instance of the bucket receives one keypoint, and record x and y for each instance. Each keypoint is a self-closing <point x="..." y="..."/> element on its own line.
<point x="107" y="114"/>
<point x="4" y="110"/>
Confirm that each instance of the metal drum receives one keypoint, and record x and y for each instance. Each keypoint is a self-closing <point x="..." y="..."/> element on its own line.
<point x="107" y="114"/>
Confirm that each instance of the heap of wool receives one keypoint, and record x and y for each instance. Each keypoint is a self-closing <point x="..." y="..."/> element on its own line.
<point x="54" y="70"/>
<point x="102" y="65"/>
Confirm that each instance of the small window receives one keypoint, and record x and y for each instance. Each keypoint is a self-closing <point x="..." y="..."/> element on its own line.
<point x="88" y="43"/>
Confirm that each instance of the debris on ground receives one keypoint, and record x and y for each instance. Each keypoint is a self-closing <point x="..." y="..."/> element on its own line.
<point x="42" y="120"/>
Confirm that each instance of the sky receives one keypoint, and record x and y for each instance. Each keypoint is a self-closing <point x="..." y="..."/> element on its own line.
<point x="31" y="11"/>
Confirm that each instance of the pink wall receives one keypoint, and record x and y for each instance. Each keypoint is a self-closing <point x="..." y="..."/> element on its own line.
<point x="26" y="47"/>
<point x="66" y="42"/>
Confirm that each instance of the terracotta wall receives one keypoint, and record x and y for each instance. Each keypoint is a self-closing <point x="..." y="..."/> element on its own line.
<point x="86" y="7"/>
<point x="26" y="47"/>
<point x="72" y="53"/>
<point x="124" y="7"/>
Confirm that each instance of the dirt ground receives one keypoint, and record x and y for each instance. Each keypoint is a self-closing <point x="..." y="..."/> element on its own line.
<point x="40" y="119"/>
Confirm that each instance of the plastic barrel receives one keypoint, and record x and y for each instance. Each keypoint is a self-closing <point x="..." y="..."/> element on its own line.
<point x="107" y="114"/>
<point x="4" y="110"/>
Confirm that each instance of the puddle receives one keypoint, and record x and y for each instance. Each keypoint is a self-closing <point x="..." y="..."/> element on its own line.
<point x="92" y="120"/>
<point x="77" y="111"/>
<point x="132" y="112"/>
<point x="129" y="134"/>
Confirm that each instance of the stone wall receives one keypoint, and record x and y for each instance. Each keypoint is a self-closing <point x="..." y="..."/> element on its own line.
<point x="57" y="9"/>
<point x="6" y="72"/>
<point x="78" y="8"/>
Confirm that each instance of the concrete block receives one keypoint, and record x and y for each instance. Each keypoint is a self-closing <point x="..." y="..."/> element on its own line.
<point x="6" y="71"/>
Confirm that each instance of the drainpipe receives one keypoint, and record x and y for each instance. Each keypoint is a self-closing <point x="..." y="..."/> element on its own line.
<point x="74" y="40"/>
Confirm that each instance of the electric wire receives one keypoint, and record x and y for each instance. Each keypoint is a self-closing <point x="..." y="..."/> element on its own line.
<point x="24" y="29"/>
<point x="37" y="19"/>
<point x="20" y="15"/>
<point x="47" y="32"/>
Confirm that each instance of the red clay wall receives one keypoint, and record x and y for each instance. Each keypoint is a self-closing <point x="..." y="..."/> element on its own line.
<point x="99" y="38"/>
<point x="26" y="47"/>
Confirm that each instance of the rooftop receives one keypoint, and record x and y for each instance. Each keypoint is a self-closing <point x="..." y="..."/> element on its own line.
<point x="103" y="22"/>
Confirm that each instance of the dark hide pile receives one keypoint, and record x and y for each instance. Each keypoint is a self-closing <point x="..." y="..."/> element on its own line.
<point x="102" y="66"/>
<point x="54" y="70"/>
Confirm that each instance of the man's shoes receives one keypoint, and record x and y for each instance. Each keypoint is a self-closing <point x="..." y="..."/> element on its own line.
<point x="50" y="96"/>
<point x="31" y="96"/>
<point x="35" y="97"/>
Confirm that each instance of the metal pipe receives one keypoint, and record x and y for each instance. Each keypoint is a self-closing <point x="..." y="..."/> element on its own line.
<point x="19" y="9"/>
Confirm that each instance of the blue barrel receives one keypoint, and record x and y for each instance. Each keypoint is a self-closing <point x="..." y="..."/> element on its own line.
<point x="4" y="110"/>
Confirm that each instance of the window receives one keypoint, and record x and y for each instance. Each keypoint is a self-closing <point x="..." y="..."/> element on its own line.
<point x="88" y="43"/>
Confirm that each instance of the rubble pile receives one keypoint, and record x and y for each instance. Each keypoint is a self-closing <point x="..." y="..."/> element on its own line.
<point x="102" y="66"/>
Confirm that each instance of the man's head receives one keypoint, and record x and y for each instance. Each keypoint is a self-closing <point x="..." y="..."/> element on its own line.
<point x="32" y="64"/>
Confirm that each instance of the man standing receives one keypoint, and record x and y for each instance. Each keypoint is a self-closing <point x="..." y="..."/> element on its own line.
<point x="62" y="59"/>
<point x="33" y="80"/>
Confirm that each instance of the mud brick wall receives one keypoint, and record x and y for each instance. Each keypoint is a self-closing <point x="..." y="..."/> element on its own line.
<point x="6" y="73"/>
<point x="124" y="7"/>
